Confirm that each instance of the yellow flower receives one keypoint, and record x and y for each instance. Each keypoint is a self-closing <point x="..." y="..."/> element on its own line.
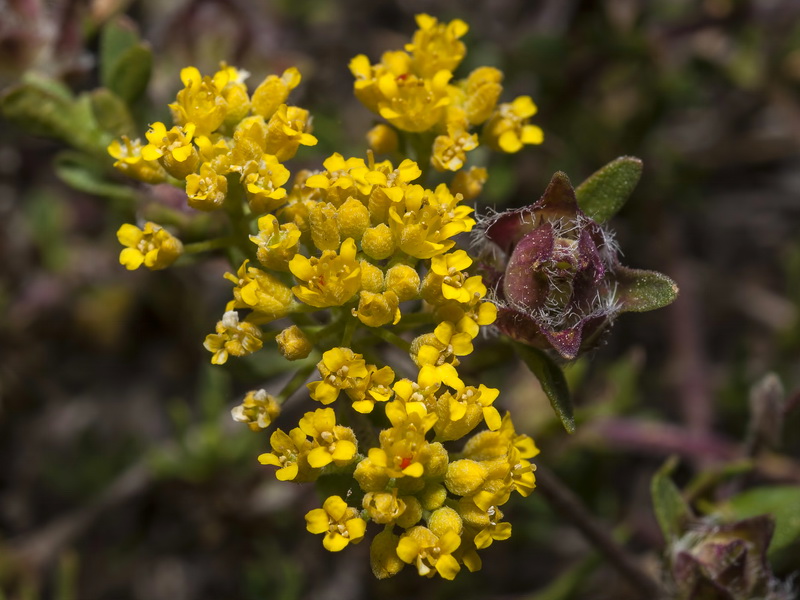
<point x="287" y="129"/>
<point x="404" y="451"/>
<point x="263" y="184"/>
<point x="234" y="91"/>
<point x="423" y="228"/>
<point x="152" y="246"/>
<point x="386" y="507"/>
<point x="449" y="269"/>
<point x="293" y="343"/>
<point x="258" y="410"/>
<point x="412" y="103"/>
<point x="481" y="90"/>
<point x="260" y="291"/>
<point x="330" y="280"/>
<point x="395" y="63"/>
<point x="436" y="46"/>
<point x="200" y="101"/>
<point x="333" y="443"/>
<point x="377" y="310"/>
<point x="290" y="455"/>
<point x="460" y="412"/>
<point x="436" y="355"/>
<point x="172" y="148"/>
<point x="206" y="191"/>
<point x="508" y="129"/>
<point x="450" y="151"/>
<point x="430" y="553"/>
<point x="273" y="91"/>
<point x="375" y="387"/>
<point x="277" y="244"/>
<point x="129" y="160"/>
<point x="233" y="337"/>
<point x="340" y="523"/>
<point x="469" y="183"/>
<point x="340" y="368"/>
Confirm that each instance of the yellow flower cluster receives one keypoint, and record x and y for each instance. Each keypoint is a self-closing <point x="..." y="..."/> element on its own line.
<point x="359" y="254"/>
<point x="413" y="89"/>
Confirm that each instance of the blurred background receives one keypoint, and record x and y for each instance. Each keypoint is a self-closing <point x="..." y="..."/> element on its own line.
<point x="122" y="475"/>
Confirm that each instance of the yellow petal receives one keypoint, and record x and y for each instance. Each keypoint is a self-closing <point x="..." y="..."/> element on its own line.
<point x="317" y="521"/>
<point x="319" y="457"/>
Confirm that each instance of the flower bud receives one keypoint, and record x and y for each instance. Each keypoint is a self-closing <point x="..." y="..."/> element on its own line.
<point x="293" y="343"/>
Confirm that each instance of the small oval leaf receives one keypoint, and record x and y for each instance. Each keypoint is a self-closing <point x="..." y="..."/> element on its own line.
<point x="640" y="291"/>
<point x="552" y="380"/>
<point x="129" y="77"/>
<point x="672" y="512"/>
<point x="606" y="191"/>
<point x="116" y="37"/>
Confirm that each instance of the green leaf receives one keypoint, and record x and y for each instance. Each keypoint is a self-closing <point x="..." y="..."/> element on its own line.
<point x="552" y="380"/>
<point x="782" y="502"/>
<point x="640" y="291"/>
<point x="116" y="38"/>
<point x="606" y="191"/>
<point x="131" y="72"/>
<point x="82" y="173"/>
<point x="111" y="113"/>
<point x="42" y="107"/>
<point x="672" y="512"/>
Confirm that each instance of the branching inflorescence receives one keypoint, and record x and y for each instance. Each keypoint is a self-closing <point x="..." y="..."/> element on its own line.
<point x="361" y="256"/>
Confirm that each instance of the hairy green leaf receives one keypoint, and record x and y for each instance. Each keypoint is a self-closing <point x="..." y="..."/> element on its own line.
<point x="606" y="191"/>
<point x="640" y="291"/>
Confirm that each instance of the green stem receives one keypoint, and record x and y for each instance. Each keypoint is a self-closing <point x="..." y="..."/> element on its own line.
<point x="208" y="245"/>
<point x="295" y="383"/>
<point x="391" y="337"/>
<point x="349" y="328"/>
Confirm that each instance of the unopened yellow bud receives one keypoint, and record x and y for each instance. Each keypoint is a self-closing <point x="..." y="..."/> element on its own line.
<point x="433" y="496"/>
<point x="403" y="280"/>
<point x="370" y="477"/>
<point x="412" y="514"/>
<point x="324" y="227"/>
<point x="353" y="219"/>
<point x="443" y="520"/>
<point x="293" y="343"/>
<point x="383" y="139"/>
<point x="383" y="557"/>
<point x="371" y="278"/>
<point x="378" y="242"/>
<point x="465" y="476"/>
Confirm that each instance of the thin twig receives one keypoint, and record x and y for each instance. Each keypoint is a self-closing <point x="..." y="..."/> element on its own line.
<point x="570" y="507"/>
